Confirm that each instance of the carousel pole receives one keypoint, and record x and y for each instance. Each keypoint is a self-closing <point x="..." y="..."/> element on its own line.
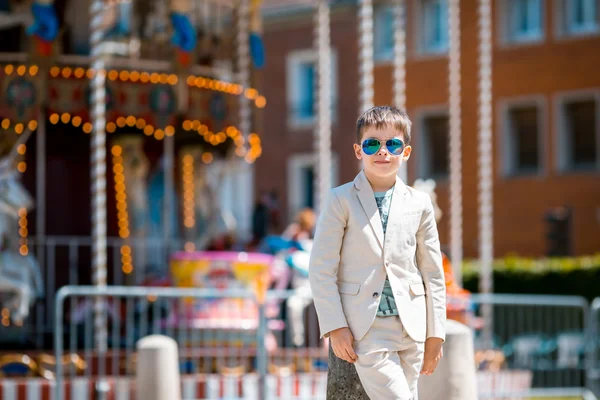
<point x="486" y="240"/>
<point x="365" y="58"/>
<point x="323" y="127"/>
<point x="98" y="178"/>
<point x="243" y="61"/>
<point x="400" y="67"/>
<point x="40" y="188"/>
<point x="169" y="178"/>
<point x="455" y="142"/>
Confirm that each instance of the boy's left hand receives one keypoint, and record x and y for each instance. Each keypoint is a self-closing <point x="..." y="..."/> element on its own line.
<point x="433" y="355"/>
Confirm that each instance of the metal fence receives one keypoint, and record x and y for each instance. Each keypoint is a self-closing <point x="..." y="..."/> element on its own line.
<point x="233" y="347"/>
<point x="594" y="367"/>
<point x="536" y="342"/>
<point x="230" y="346"/>
<point x="74" y="252"/>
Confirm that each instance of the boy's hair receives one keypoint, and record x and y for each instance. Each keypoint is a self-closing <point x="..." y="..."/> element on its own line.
<point x="380" y="117"/>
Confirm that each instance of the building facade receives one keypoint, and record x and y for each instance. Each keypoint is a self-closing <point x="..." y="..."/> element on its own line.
<point x="546" y="113"/>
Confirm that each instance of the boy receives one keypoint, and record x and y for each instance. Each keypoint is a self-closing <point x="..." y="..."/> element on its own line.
<point x="376" y="268"/>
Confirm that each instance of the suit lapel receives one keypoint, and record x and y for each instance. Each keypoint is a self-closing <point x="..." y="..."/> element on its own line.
<point x="396" y="209"/>
<point x="367" y="201"/>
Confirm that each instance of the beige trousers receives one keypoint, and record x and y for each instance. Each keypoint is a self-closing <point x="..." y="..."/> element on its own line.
<point x="389" y="361"/>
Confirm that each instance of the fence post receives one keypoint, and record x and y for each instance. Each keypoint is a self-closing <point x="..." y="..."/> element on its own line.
<point x="157" y="372"/>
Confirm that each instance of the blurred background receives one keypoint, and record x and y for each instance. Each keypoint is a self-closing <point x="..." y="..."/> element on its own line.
<point x="159" y="146"/>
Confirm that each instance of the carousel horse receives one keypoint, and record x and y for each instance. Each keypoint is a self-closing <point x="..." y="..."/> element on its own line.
<point x="20" y="276"/>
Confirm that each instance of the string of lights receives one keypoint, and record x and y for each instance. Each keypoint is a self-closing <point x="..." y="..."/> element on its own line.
<point x="155" y="78"/>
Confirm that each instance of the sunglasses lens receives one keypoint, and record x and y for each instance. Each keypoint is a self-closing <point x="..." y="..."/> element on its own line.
<point x="370" y="146"/>
<point x="395" y="146"/>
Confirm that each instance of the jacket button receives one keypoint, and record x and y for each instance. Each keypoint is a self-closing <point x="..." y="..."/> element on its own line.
<point x="375" y="295"/>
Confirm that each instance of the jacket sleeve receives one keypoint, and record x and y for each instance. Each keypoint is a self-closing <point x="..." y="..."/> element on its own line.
<point x="324" y="263"/>
<point x="429" y="262"/>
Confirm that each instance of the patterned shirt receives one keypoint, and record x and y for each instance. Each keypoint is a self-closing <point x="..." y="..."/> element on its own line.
<point x="387" y="304"/>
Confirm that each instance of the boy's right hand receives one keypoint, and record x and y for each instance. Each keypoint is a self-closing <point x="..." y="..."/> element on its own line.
<point x="341" y="342"/>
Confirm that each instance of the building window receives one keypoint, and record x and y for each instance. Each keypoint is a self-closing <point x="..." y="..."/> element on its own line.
<point x="434" y="26"/>
<point x="579" y="17"/>
<point x="523" y="21"/>
<point x="522" y="147"/>
<point x="301" y="175"/>
<point x="579" y="134"/>
<point x="434" y="152"/>
<point x="302" y="87"/>
<point x="384" y="33"/>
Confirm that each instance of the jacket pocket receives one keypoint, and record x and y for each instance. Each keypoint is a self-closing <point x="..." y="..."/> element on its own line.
<point x="418" y="289"/>
<point x="348" y="287"/>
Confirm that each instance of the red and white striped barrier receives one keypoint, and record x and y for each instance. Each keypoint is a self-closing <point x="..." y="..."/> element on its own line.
<point x="307" y="386"/>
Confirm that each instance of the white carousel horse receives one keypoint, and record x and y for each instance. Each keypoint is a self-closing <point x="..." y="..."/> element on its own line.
<point x="20" y="276"/>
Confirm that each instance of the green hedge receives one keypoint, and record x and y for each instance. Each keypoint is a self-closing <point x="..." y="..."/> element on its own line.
<point x="578" y="276"/>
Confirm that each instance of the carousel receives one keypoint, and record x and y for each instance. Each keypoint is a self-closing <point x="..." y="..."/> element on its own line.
<point x="158" y="94"/>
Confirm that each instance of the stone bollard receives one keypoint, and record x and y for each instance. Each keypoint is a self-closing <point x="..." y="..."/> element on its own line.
<point x="455" y="377"/>
<point x="157" y="372"/>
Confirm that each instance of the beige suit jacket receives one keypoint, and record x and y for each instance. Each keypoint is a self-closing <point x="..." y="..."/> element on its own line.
<point x="351" y="257"/>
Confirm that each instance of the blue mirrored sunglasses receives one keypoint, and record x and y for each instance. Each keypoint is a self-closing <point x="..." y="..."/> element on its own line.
<point x="394" y="146"/>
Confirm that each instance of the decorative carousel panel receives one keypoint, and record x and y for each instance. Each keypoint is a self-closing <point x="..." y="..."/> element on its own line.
<point x="19" y="97"/>
<point x="215" y="109"/>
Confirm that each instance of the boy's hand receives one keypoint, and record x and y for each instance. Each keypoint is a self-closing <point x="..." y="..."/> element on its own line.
<point x="341" y="342"/>
<point x="433" y="355"/>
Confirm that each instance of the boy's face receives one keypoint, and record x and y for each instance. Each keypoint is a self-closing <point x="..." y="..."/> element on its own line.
<point x="383" y="163"/>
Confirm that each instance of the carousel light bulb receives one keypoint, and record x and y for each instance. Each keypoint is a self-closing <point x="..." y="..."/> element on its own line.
<point x="66" y="72"/>
<point x="173" y="79"/>
<point x="141" y="123"/>
<point x="124" y="75"/>
<point x="5" y="123"/>
<point x="33" y="70"/>
<point x="21" y="149"/>
<point x="87" y="127"/>
<point x="22" y="167"/>
<point x="251" y="93"/>
<point x="125" y="250"/>
<point x="169" y="131"/>
<point x="9" y="69"/>
<point x="159" y="134"/>
<point x="207" y="158"/>
<point x="76" y="121"/>
<point x="145" y="77"/>
<point x="21" y="70"/>
<point x="113" y="75"/>
<point x="54" y="72"/>
<point x="187" y="125"/>
<point x="79" y="72"/>
<point x="121" y="122"/>
<point x="191" y="80"/>
<point x="65" y="118"/>
<point x="90" y="73"/>
<point x="260" y="102"/>
<point x="131" y="120"/>
<point x="19" y="128"/>
<point x="111" y="127"/>
<point x="200" y="82"/>
<point x="134" y="76"/>
<point x="154" y="77"/>
<point x="148" y="130"/>
<point x="32" y="125"/>
<point x="164" y="78"/>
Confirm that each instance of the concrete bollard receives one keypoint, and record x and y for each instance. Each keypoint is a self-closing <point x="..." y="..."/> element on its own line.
<point x="157" y="372"/>
<point x="455" y="377"/>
